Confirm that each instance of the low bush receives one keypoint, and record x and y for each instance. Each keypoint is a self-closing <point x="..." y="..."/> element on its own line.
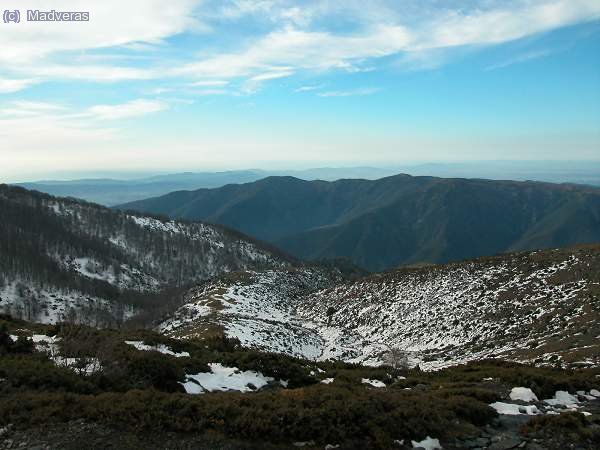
<point x="571" y="427"/>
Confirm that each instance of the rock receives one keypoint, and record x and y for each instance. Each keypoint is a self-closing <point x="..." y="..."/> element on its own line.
<point x="475" y="443"/>
<point x="505" y="444"/>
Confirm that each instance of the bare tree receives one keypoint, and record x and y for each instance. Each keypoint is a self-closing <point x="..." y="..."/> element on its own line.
<point x="396" y="358"/>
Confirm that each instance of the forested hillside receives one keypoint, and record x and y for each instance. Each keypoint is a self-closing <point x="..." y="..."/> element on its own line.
<point x="63" y="258"/>
<point x="397" y="220"/>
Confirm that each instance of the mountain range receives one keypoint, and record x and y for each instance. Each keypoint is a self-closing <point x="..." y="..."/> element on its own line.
<point x="129" y="187"/>
<point x="398" y="220"/>
<point x="109" y="191"/>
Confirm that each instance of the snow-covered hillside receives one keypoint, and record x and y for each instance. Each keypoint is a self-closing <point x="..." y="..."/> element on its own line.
<point x="541" y="307"/>
<point x="258" y="308"/>
<point x="65" y="259"/>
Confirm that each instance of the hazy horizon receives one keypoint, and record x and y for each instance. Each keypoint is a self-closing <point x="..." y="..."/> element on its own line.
<point x="545" y="170"/>
<point x="215" y="85"/>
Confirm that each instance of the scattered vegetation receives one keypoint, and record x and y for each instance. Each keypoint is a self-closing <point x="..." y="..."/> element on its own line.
<point x="141" y="390"/>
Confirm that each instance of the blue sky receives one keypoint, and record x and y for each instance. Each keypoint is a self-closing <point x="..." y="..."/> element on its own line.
<point x="149" y="85"/>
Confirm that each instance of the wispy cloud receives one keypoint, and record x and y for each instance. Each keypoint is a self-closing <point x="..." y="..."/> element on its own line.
<point x="299" y="36"/>
<point x="134" y="108"/>
<point x="209" y="83"/>
<point x="350" y="92"/>
<point x="520" y="59"/>
<point x="314" y="87"/>
<point x="272" y="75"/>
<point x="14" y="85"/>
<point x="254" y="82"/>
<point x="23" y="108"/>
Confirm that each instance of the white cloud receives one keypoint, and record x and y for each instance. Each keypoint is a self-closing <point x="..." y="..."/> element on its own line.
<point x="434" y="30"/>
<point x="298" y="49"/>
<point x="272" y="75"/>
<point x="112" y="23"/>
<point x="37" y="49"/>
<point x="134" y="108"/>
<point x="9" y="85"/>
<point x="99" y="73"/>
<point x="298" y="36"/>
<point x="509" y="21"/>
<point x="22" y="108"/>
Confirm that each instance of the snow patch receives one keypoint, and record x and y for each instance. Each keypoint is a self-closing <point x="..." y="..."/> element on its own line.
<point x="374" y="383"/>
<point x="157" y="348"/>
<point x="514" y="410"/>
<point x="427" y="443"/>
<point x="562" y="398"/>
<point x="222" y="378"/>
<point x="523" y="394"/>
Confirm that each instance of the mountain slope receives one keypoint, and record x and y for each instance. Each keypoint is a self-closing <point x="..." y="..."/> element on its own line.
<point x="541" y="307"/>
<point x="396" y="220"/>
<point x="61" y="258"/>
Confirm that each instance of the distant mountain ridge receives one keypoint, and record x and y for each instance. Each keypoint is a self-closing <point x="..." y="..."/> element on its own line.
<point x="396" y="220"/>
<point x="109" y="192"/>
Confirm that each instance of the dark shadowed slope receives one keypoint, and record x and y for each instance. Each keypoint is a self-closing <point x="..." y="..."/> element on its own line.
<point x="395" y="220"/>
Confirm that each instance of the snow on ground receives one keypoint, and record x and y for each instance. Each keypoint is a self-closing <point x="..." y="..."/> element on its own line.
<point x="427" y="443"/>
<point x="157" y="348"/>
<point x="561" y="402"/>
<point x="514" y="410"/>
<point x="447" y="315"/>
<point x="374" y="383"/>
<point x="49" y="306"/>
<point x="222" y="378"/>
<point x="562" y="398"/>
<point x="50" y="346"/>
<point x="523" y="394"/>
<point x="211" y="235"/>
<point x="257" y="308"/>
<point x="441" y="316"/>
<point x="127" y="278"/>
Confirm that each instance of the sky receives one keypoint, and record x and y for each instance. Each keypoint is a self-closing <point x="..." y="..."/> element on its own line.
<point x="151" y="85"/>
